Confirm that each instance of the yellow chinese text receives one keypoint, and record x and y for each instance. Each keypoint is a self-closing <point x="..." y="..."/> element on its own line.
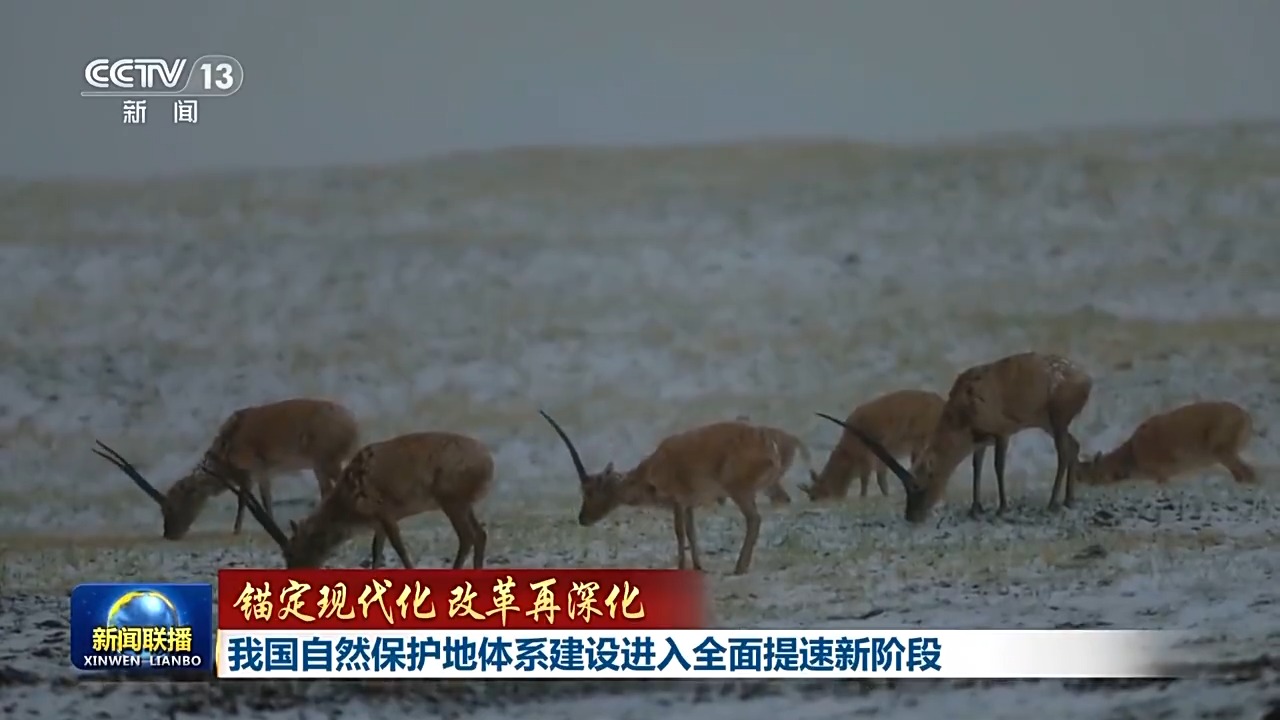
<point x="255" y="603"/>
<point x="545" y="602"/>
<point x="628" y="593"/>
<point x="373" y="593"/>
<point x="333" y="601"/>
<point x="503" y="601"/>
<point x="291" y="602"/>
<point x="460" y="602"/>
<point x="420" y="594"/>
<point x="582" y="601"/>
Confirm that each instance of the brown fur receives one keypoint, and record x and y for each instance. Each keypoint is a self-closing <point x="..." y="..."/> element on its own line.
<point x="704" y="465"/>
<point x="387" y="482"/>
<point x="987" y="405"/>
<point x="1185" y="439"/>
<point x="902" y="421"/>
<point x="253" y="446"/>
<point x="789" y="446"/>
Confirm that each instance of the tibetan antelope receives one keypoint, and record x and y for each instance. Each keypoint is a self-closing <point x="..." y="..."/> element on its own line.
<point x="384" y="483"/>
<point x="689" y="469"/>
<point x="988" y="404"/>
<point x="255" y="444"/>
<point x="902" y="420"/>
<point x="1185" y="439"/>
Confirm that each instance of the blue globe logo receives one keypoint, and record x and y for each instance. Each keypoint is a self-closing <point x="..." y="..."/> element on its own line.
<point x="143" y="608"/>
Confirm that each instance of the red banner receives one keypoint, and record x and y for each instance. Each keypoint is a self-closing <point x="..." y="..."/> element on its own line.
<point x="459" y="599"/>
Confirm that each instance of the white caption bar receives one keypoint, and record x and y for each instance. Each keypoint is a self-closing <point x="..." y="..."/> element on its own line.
<point x="711" y="654"/>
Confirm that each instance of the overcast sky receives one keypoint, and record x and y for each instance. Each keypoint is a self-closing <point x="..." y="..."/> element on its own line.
<point x="338" y="80"/>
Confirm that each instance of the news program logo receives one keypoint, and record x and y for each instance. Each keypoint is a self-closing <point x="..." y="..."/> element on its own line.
<point x="139" y="628"/>
<point x="206" y="76"/>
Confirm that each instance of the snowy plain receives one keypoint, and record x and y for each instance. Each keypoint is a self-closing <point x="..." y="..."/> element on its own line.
<point x="635" y="292"/>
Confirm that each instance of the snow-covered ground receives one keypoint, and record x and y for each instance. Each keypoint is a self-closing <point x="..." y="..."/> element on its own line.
<point x="632" y="293"/>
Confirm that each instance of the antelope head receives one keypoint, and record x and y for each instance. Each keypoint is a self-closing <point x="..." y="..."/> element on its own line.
<point x="1102" y="469"/>
<point x="175" y="521"/>
<point x="179" y="506"/>
<point x="917" y="508"/>
<point x="602" y="491"/>
<point x="819" y="489"/>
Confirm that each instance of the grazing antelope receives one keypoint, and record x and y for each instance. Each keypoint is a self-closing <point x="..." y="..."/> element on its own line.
<point x="256" y="444"/>
<point x="988" y="404"/>
<point x="902" y="420"/>
<point x="384" y="483"/>
<point x="1187" y="438"/>
<point x="687" y="470"/>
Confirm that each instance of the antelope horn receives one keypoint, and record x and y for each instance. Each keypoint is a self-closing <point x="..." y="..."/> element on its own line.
<point x="255" y="508"/>
<point x="127" y="468"/>
<point x="573" y="452"/>
<point x="908" y="482"/>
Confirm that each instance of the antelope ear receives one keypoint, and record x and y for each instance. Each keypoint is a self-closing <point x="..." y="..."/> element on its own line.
<point x="608" y="468"/>
<point x="293" y="527"/>
<point x="1097" y="456"/>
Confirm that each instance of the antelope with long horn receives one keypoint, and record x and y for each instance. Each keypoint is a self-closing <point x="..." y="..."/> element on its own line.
<point x="902" y="420"/>
<point x="254" y="445"/>
<point x="1185" y="439"/>
<point x="385" y="483"/>
<point x="685" y="471"/>
<point x="988" y="404"/>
